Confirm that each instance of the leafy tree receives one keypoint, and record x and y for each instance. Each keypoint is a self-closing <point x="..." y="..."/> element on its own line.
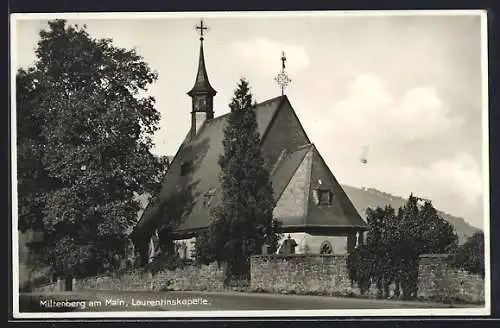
<point x="204" y="251"/>
<point x="243" y="222"/>
<point x="84" y="133"/>
<point x="437" y="234"/>
<point x="394" y="244"/>
<point x="422" y="231"/>
<point x="470" y="255"/>
<point x="383" y="235"/>
<point x="361" y="264"/>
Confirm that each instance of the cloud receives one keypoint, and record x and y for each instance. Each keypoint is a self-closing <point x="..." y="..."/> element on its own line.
<point x="264" y="54"/>
<point x="378" y="116"/>
<point x="453" y="183"/>
<point x="372" y="119"/>
<point x="421" y="114"/>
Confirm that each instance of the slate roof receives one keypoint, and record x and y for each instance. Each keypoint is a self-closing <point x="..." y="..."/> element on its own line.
<point x="341" y="212"/>
<point x="203" y="153"/>
<point x="306" y="215"/>
<point x="192" y="195"/>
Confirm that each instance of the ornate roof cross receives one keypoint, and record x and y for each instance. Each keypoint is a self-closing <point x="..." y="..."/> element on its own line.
<point x="282" y="78"/>
<point x="201" y="28"/>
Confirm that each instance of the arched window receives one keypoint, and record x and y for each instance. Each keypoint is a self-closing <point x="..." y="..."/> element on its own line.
<point x="326" y="248"/>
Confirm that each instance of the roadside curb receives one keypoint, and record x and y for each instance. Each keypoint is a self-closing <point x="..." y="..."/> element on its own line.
<point x="325" y="297"/>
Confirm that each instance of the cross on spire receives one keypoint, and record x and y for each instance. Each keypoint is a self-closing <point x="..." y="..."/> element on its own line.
<point x="283" y="60"/>
<point x="282" y="78"/>
<point x="202" y="27"/>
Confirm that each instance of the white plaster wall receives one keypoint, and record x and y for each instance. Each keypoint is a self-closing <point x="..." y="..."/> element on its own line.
<point x="200" y="119"/>
<point x="299" y="237"/>
<point x="313" y="242"/>
<point x="339" y="243"/>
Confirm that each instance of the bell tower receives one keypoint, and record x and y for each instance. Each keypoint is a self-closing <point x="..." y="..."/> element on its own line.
<point x="202" y="93"/>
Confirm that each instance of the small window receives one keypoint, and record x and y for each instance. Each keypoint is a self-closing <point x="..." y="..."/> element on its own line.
<point x="326" y="248"/>
<point x="200" y="104"/>
<point x="185" y="168"/>
<point x="323" y="196"/>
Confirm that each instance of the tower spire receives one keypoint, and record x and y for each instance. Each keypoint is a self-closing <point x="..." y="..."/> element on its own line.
<point x="201" y="84"/>
<point x="282" y="78"/>
<point x="202" y="93"/>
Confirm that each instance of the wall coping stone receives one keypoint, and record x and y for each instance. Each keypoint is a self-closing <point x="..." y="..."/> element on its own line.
<point x="280" y="256"/>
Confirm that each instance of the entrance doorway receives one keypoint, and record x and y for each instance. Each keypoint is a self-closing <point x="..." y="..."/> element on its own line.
<point x="68" y="284"/>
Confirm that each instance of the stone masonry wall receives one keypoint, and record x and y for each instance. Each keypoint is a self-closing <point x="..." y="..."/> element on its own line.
<point x="300" y="274"/>
<point x="439" y="281"/>
<point x="207" y="277"/>
<point x="327" y="274"/>
<point x="48" y="288"/>
<point x="293" y="200"/>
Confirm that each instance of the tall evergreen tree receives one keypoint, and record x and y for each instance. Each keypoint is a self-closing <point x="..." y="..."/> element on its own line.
<point x="84" y="138"/>
<point x="243" y="222"/>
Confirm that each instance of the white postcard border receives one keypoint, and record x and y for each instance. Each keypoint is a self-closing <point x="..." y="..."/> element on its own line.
<point x="480" y="311"/>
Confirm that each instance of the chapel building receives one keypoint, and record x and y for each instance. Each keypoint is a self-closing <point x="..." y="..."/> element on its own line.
<point x="311" y="204"/>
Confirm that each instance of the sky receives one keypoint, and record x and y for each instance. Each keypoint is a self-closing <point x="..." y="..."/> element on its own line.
<point x="403" y="90"/>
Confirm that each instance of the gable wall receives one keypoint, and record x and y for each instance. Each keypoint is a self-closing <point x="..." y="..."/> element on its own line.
<point x="285" y="132"/>
<point x="341" y="212"/>
<point x="291" y="207"/>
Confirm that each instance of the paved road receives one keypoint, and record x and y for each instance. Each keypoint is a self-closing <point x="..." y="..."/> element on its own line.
<point x="206" y="301"/>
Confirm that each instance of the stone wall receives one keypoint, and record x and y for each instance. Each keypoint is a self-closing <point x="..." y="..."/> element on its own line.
<point x="48" y="288"/>
<point x="207" y="277"/>
<point x="327" y="275"/>
<point x="439" y="281"/>
<point x="300" y="274"/>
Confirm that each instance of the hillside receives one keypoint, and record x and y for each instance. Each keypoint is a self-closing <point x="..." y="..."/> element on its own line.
<point x="369" y="197"/>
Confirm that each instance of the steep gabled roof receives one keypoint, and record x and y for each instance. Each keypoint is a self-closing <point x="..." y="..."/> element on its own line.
<point x="186" y="195"/>
<point x="341" y="212"/>
<point x="190" y="195"/>
<point x="298" y="177"/>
